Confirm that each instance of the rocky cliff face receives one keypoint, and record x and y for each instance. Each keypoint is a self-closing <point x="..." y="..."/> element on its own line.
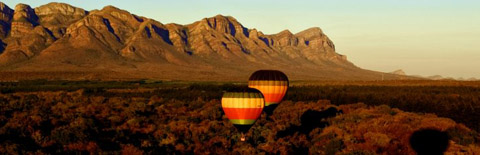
<point x="24" y="20"/>
<point x="56" y="17"/>
<point x="6" y="15"/>
<point x="60" y="37"/>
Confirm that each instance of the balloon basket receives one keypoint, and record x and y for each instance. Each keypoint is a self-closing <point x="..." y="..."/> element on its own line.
<point x="242" y="138"/>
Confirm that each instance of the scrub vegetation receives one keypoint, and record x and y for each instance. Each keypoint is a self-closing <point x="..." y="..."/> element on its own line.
<point x="153" y="117"/>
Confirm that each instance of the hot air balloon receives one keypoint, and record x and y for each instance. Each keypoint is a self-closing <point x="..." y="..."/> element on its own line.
<point x="273" y="84"/>
<point x="243" y="108"/>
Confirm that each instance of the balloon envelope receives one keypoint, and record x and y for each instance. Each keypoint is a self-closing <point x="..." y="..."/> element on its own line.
<point x="273" y="84"/>
<point x="243" y="108"/>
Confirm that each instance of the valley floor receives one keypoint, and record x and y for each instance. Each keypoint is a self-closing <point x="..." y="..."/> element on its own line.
<point x="177" y="117"/>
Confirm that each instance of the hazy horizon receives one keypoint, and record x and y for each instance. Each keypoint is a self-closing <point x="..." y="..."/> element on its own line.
<point x="422" y="37"/>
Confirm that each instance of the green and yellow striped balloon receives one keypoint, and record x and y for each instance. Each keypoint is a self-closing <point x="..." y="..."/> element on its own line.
<point x="243" y="108"/>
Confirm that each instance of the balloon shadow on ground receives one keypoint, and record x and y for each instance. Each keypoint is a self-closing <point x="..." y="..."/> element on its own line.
<point x="310" y="119"/>
<point x="429" y="141"/>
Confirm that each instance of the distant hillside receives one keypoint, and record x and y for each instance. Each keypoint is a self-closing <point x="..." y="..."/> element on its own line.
<point x="60" y="41"/>
<point x="398" y="72"/>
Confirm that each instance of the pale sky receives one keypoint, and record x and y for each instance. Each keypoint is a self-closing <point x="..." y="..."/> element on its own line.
<point x="422" y="37"/>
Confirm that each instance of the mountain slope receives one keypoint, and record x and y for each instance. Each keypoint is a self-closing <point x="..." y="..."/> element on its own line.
<point x="111" y="43"/>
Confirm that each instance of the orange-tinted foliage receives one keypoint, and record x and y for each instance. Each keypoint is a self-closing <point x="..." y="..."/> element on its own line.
<point x="68" y="122"/>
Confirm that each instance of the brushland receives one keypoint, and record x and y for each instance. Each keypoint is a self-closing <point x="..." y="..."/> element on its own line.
<point x="166" y="116"/>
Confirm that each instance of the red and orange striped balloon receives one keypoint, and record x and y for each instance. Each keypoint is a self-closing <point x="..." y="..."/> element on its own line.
<point x="243" y="108"/>
<point x="272" y="83"/>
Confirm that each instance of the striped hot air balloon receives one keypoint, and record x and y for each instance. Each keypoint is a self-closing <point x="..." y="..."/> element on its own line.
<point x="273" y="84"/>
<point x="243" y="108"/>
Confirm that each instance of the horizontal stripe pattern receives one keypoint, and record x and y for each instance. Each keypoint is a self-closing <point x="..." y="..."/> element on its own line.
<point x="273" y="91"/>
<point x="268" y="75"/>
<point x="243" y="108"/>
<point x="267" y="83"/>
<point x="277" y="98"/>
<point x="270" y="103"/>
<point x="243" y="121"/>
<point x="243" y="113"/>
<point x="242" y="95"/>
<point x="242" y="102"/>
<point x="270" y="89"/>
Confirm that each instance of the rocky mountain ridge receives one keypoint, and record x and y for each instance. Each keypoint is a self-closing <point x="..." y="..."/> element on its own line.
<point x="57" y="38"/>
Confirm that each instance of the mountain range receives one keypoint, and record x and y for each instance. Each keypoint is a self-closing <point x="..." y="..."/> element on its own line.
<point x="433" y="77"/>
<point x="60" y="41"/>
